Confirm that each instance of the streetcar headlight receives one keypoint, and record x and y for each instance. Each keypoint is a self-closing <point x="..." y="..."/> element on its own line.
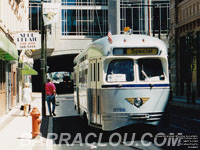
<point x="138" y="102"/>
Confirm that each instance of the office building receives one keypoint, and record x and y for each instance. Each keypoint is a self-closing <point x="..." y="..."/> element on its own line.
<point x="184" y="47"/>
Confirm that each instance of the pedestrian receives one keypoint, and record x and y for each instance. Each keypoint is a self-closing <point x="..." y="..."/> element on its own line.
<point x="27" y="94"/>
<point x="50" y="93"/>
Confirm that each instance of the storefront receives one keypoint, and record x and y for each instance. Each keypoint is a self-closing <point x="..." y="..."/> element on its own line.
<point x="184" y="53"/>
<point x="189" y="67"/>
<point x="25" y="72"/>
<point x="8" y="82"/>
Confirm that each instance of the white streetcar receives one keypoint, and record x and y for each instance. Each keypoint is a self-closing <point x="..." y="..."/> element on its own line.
<point x="122" y="82"/>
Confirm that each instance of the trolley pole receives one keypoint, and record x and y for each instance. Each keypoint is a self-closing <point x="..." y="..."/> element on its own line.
<point x="43" y="60"/>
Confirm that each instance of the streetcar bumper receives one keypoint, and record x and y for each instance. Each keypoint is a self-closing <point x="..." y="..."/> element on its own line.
<point x="117" y="120"/>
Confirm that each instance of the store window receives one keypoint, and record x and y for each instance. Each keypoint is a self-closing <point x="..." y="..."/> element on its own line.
<point x="84" y="22"/>
<point x="2" y="74"/>
<point x="136" y="16"/>
<point x="84" y="2"/>
<point x="34" y="14"/>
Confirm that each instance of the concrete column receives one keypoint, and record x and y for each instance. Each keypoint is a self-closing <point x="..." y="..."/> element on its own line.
<point x="149" y="11"/>
<point x="147" y="17"/>
<point x="114" y="16"/>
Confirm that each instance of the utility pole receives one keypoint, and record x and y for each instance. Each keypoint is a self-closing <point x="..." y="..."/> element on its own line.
<point x="43" y="60"/>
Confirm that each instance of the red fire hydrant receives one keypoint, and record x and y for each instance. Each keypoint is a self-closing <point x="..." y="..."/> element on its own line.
<point x="35" y="122"/>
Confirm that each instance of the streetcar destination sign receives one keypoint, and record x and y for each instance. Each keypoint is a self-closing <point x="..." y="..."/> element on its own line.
<point x="135" y="51"/>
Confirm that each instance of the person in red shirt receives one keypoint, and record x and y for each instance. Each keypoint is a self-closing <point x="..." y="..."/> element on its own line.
<point x="50" y="96"/>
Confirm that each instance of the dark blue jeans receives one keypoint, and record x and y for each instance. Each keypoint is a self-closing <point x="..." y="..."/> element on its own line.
<point x="51" y="99"/>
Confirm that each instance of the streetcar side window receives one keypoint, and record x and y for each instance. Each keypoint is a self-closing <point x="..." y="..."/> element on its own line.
<point x="120" y="70"/>
<point x="91" y="72"/>
<point x="150" y="70"/>
<point x="98" y="75"/>
<point x="94" y="72"/>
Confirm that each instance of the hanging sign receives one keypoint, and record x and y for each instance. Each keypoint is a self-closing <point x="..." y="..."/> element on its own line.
<point x="27" y="40"/>
<point x="50" y="12"/>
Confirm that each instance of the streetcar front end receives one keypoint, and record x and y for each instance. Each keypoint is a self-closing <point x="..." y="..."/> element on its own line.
<point x="135" y="89"/>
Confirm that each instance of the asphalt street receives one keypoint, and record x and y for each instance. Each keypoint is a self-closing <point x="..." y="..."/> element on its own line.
<point x="71" y="132"/>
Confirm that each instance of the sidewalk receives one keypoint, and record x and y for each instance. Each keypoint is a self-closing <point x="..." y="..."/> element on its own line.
<point x="15" y="129"/>
<point x="180" y="101"/>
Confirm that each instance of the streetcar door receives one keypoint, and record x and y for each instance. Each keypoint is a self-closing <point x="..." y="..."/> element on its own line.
<point x="93" y="85"/>
<point x="77" y="101"/>
<point x="98" y="94"/>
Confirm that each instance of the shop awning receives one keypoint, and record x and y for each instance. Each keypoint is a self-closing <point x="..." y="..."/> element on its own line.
<point x="28" y="70"/>
<point x="8" y="50"/>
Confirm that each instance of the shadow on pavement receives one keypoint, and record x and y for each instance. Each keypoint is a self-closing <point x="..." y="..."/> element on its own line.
<point x="44" y="126"/>
<point x="74" y="125"/>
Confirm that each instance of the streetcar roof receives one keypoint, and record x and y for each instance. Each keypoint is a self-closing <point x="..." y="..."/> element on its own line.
<point x="103" y="46"/>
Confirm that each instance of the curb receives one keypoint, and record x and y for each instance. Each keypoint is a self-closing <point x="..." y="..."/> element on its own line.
<point x="49" y="145"/>
<point x="184" y="105"/>
<point x="46" y="130"/>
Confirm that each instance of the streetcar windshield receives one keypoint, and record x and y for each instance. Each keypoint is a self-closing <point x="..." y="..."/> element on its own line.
<point x="150" y="70"/>
<point x="120" y="70"/>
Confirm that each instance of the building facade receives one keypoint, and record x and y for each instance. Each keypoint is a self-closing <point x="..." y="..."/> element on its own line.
<point x="185" y="49"/>
<point x="13" y="18"/>
<point x="82" y="21"/>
